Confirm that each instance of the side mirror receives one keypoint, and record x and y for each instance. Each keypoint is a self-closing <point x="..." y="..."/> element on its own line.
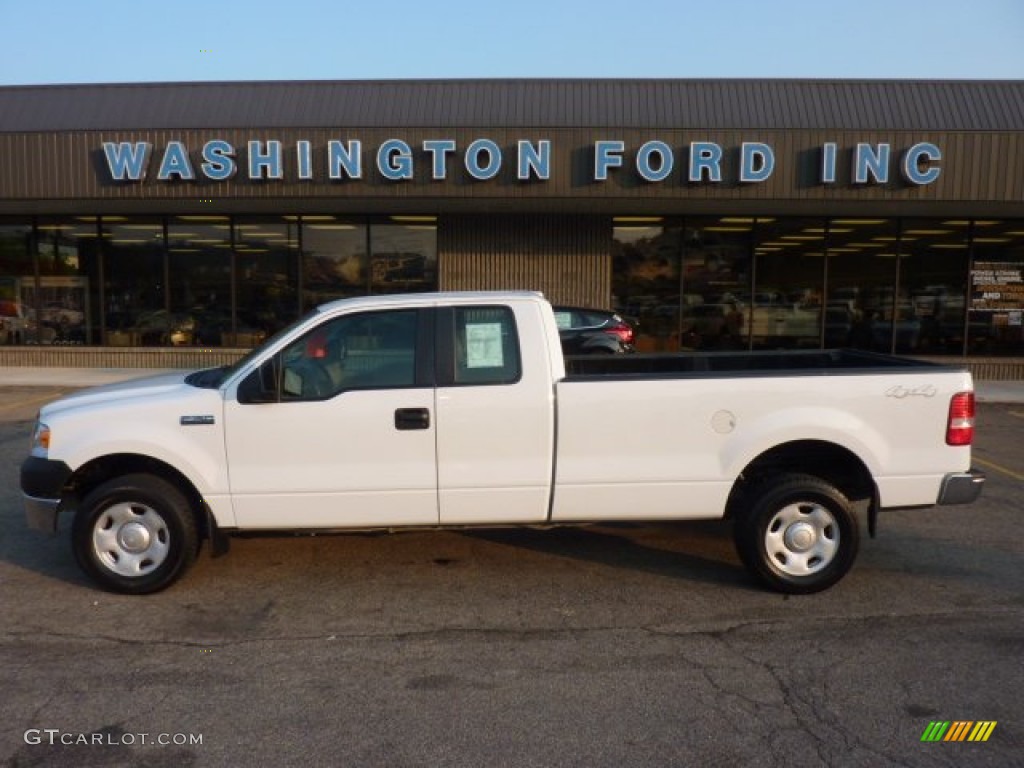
<point x="260" y="386"/>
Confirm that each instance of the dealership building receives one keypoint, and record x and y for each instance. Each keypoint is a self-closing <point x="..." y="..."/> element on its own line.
<point x="171" y="224"/>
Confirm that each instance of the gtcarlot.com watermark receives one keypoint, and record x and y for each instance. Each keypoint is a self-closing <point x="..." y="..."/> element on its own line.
<point x="55" y="737"/>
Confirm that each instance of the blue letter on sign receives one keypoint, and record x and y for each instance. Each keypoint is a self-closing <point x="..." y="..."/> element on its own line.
<point x="439" y="148"/>
<point x="394" y="160"/>
<point x="218" y="160"/>
<point x="705" y="156"/>
<point x="126" y="161"/>
<point x="646" y="168"/>
<point x="176" y="162"/>
<point x="916" y="155"/>
<point x="875" y="163"/>
<point x="607" y="154"/>
<point x="269" y="161"/>
<point x="304" y="154"/>
<point x="828" y="163"/>
<point x="345" y="158"/>
<point x="473" y="152"/>
<point x="757" y="161"/>
<point x="535" y="160"/>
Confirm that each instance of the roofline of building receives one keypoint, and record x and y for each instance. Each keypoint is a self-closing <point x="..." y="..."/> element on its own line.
<point x="521" y="80"/>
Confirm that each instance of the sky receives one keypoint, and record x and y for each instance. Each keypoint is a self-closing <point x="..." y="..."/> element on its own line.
<point x="108" y="41"/>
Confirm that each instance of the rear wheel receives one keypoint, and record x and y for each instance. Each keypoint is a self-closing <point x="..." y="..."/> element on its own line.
<point x="796" y="533"/>
<point x="135" y="534"/>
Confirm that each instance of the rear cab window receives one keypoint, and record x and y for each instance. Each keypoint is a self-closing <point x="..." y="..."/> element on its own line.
<point x="485" y="345"/>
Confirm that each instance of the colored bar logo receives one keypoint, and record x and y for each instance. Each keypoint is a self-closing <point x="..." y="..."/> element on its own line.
<point x="959" y="730"/>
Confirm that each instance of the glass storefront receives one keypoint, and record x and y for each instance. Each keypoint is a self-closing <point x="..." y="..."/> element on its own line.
<point x="861" y="282"/>
<point x="17" y="326"/>
<point x="789" y="284"/>
<point x="63" y="296"/>
<point x="133" y="278"/>
<point x="646" y="279"/>
<point x="197" y="280"/>
<point x="334" y="262"/>
<point x="942" y="286"/>
<point x="910" y="286"/>
<point x="403" y="255"/>
<point x="717" y="269"/>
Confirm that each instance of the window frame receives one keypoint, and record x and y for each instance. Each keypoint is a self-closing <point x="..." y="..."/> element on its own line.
<point x="266" y="383"/>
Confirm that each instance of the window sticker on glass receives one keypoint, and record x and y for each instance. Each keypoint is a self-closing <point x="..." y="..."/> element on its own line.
<point x="563" y="320"/>
<point x="483" y="345"/>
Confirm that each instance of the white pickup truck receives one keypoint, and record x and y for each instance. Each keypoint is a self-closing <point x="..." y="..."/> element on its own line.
<point x="438" y="410"/>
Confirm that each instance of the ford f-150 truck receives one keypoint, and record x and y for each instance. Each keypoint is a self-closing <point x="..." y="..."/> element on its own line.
<point x="449" y="410"/>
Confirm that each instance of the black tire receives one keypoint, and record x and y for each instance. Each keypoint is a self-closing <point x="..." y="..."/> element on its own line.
<point x="135" y="534"/>
<point x="796" y="533"/>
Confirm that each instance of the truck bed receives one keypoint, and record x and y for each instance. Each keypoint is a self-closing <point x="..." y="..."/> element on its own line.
<point x="769" y="363"/>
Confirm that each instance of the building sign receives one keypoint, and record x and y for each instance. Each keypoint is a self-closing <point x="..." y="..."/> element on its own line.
<point x="483" y="159"/>
<point x="997" y="286"/>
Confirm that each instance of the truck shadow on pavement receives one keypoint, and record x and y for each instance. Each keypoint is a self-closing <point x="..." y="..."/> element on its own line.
<point x="699" y="552"/>
<point x="693" y="552"/>
<point x="687" y="551"/>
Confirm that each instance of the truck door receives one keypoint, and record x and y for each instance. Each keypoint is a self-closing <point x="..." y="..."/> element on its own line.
<point x="338" y="429"/>
<point x="495" y="415"/>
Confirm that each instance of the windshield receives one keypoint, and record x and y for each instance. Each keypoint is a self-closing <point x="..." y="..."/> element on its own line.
<point x="212" y="378"/>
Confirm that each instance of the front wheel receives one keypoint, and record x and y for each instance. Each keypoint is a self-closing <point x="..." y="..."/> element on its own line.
<point x="135" y="534"/>
<point x="796" y="533"/>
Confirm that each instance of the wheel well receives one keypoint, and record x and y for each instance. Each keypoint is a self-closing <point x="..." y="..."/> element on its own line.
<point x="98" y="471"/>
<point x="832" y="463"/>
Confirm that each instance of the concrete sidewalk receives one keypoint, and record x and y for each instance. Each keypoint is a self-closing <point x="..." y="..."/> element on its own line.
<point x="987" y="391"/>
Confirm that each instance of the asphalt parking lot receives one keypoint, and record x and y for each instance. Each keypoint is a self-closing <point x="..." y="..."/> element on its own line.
<point x="639" y="645"/>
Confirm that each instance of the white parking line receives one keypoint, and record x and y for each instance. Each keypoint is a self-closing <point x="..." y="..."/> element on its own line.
<point x="999" y="468"/>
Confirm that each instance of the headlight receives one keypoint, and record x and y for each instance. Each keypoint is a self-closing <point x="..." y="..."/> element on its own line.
<point x="40" y="441"/>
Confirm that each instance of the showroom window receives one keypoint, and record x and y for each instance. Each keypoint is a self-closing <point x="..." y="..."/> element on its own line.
<point x="861" y="282"/>
<point x="200" y="301"/>
<point x="789" y="283"/>
<point x="67" y="300"/>
<point x="646" y="264"/>
<point x="17" y="269"/>
<point x="267" y="269"/>
<point x="717" y="301"/>
<point x="880" y="284"/>
<point x="403" y="254"/>
<point x="335" y="255"/>
<point x="345" y="257"/>
<point x="134" y="278"/>
<point x="930" y="304"/>
<point x="197" y="280"/>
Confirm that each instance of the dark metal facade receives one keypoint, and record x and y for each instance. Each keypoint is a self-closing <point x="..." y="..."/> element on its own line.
<point x="51" y="137"/>
<point x="648" y="104"/>
<point x="568" y="258"/>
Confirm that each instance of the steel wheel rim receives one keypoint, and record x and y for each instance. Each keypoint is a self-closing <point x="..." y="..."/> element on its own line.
<point x="130" y="539"/>
<point x="802" y="538"/>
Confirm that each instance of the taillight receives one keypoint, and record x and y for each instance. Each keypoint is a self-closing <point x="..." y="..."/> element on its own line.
<point x="960" y="427"/>
<point x="624" y="332"/>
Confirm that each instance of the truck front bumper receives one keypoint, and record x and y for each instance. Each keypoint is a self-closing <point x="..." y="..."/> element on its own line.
<point x="41" y="514"/>
<point x="961" y="487"/>
<point x="42" y="483"/>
